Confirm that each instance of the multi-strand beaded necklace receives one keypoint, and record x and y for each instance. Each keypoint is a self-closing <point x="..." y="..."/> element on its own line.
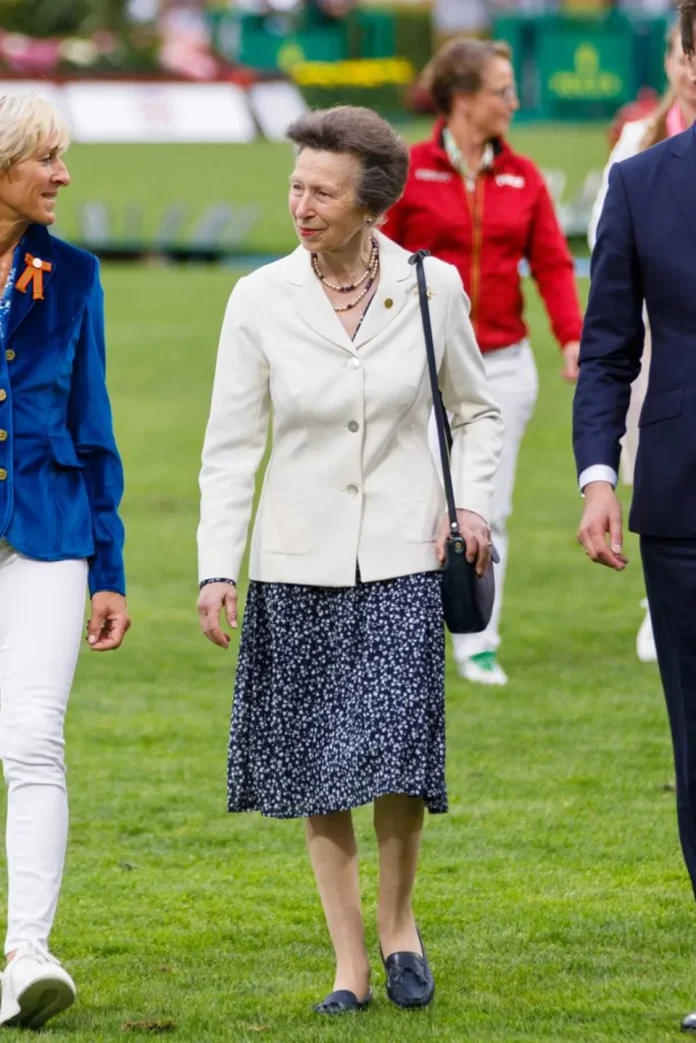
<point x="368" y="278"/>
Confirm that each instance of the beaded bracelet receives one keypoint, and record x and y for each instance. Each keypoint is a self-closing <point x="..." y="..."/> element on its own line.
<point x="217" y="579"/>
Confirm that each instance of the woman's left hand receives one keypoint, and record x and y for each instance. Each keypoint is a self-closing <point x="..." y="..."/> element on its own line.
<point x="109" y="621"/>
<point x="476" y="535"/>
<point x="571" y="354"/>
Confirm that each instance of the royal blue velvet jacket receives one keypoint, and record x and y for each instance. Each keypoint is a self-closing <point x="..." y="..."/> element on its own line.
<point x="61" y="478"/>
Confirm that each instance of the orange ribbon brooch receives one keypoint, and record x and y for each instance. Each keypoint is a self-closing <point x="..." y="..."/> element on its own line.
<point x="33" y="273"/>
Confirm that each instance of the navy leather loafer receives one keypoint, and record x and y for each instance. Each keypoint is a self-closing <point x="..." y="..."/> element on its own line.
<point x="410" y="982"/>
<point x="342" y="1002"/>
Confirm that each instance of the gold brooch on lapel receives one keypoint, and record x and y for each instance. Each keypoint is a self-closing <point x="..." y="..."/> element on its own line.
<point x="33" y="273"/>
<point x="428" y="293"/>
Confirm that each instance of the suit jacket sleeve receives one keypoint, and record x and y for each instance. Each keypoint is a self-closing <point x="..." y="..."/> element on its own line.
<point x="234" y="444"/>
<point x="612" y="340"/>
<point x="477" y="427"/>
<point x="91" y="427"/>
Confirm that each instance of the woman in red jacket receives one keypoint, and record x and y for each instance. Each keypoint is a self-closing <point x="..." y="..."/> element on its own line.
<point x="474" y="202"/>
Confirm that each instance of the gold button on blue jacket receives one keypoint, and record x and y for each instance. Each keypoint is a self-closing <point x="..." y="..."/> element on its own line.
<point x="64" y="478"/>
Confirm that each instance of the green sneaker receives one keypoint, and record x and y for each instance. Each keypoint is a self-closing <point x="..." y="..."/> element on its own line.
<point x="483" y="668"/>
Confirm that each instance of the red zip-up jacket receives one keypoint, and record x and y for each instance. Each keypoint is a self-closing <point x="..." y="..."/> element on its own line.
<point x="485" y="234"/>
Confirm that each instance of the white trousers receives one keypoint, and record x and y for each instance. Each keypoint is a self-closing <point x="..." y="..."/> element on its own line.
<point x="639" y="387"/>
<point x="514" y="384"/>
<point x="42" y="608"/>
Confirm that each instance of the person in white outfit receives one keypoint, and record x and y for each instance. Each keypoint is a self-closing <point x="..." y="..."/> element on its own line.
<point x="60" y="486"/>
<point x="477" y="204"/>
<point x="675" y="113"/>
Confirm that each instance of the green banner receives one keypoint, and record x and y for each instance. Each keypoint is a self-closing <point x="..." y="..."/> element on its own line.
<point x="583" y="67"/>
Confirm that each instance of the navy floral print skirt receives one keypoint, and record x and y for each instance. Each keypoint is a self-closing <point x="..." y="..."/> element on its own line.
<point x="339" y="697"/>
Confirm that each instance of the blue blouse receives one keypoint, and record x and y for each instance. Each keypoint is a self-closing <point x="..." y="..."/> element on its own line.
<point x="6" y="300"/>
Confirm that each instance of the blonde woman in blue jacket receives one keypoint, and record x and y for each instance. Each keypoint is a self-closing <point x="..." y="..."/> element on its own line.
<point x="60" y="486"/>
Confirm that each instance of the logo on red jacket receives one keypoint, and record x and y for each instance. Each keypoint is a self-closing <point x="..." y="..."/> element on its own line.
<point x="431" y="175"/>
<point x="512" y="180"/>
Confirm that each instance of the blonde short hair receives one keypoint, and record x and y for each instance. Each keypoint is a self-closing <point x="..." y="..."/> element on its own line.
<point x="28" y="122"/>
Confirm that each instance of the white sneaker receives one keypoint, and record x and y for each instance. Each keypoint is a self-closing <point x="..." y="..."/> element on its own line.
<point x="645" y="642"/>
<point x="34" y="988"/>
<point x="483" y="668"/>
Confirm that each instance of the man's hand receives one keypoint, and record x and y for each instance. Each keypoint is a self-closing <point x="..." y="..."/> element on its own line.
<point x="571" y="354"/>
<point x="109" y="621"/>
<point x="602" y="516"/>
<point x="213" y="598"/>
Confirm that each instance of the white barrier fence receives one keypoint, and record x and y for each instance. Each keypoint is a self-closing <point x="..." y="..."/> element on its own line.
<point x="121" y="111"/>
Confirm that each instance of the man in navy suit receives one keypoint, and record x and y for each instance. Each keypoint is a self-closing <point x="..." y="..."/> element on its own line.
<point x="646" y="252"/>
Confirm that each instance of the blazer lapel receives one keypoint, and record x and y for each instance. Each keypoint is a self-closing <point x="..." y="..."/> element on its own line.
<point x="396" y="282"/>
<point x="37" y="242"/>
<point x="682" y="172"/>
<point x="312" y="304"/>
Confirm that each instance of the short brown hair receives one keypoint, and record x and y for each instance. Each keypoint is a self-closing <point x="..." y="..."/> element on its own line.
<point x="359" y="132"/>
<point x="458" y="68"/>
<point x="687" y="14"/>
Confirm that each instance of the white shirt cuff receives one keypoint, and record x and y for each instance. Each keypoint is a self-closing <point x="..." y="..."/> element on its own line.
<point x="597" y="473"/>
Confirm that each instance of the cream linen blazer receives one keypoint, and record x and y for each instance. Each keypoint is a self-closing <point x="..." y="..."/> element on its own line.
<point x="350" y="478"/>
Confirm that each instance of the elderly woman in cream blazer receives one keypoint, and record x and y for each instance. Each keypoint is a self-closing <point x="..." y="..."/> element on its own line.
<point x="339" y="693"/>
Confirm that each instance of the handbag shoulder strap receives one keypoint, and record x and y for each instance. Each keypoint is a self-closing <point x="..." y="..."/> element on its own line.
<point x="444" y="435"/>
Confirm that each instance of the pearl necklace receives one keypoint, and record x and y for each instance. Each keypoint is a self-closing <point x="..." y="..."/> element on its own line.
<point x="373" y="260"/>
<point x="370" y="275"/>
<point x="366" y="290"/>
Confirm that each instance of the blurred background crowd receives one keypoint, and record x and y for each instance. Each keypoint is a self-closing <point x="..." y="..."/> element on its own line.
<point x="199" y="38"/>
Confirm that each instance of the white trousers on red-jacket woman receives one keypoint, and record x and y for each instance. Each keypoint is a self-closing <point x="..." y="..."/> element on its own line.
<point x="513" y="381"/>
<point x="639" y="387"/>
<point x="42" y="611"/>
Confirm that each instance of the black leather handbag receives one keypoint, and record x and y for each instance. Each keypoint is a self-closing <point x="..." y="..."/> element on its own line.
<point x="467" y="598"/>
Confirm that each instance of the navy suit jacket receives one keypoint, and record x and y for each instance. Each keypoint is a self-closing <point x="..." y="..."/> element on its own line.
<point x="61" y="478"/>
<point x="645" y="252"/>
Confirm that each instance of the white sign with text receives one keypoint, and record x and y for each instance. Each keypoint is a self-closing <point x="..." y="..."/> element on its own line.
<point x="154" y="113"/>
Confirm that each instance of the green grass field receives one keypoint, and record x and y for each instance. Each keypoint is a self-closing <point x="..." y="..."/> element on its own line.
<point x="156" y="176"/>
<point x="552" y="898"/>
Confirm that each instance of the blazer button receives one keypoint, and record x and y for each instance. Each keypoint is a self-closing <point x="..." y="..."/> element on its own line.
<point x="10" y="355"/>
<point x="3" y="474"/>
<point x="353" y="426"/>
<point x="352" y="490"/>
<point x="3" y="394"/>
<point x="3" y="435"/>
<point x="356" y="363"/>
<point x="389" y="303"/>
